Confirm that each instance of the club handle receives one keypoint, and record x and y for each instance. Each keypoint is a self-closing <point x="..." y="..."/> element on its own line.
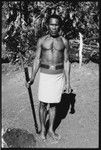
<point x="26" y="74"/>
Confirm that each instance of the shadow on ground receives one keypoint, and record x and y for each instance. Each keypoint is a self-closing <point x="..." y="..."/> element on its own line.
<point x="67" y="103"/>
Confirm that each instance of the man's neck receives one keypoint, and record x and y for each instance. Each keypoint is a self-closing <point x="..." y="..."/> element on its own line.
<point x="54" y="36"/>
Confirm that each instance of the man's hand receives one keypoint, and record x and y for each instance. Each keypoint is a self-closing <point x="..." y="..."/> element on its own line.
<point x="67" y="89"/>
<point x="27" y="84"/>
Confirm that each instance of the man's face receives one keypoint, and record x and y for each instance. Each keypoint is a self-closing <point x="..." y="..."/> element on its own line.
<point x="54" y="26"/>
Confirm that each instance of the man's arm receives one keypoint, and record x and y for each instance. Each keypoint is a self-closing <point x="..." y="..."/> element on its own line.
<point x="36" y="62"/>
<point x="67" y="66"/>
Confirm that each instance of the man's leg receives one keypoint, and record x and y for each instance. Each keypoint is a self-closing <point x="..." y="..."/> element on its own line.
<point x="42" y="118"/>
<point x="52" y="114"/>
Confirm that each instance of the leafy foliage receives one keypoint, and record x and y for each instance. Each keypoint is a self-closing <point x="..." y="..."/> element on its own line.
<point x="23" y="22"/>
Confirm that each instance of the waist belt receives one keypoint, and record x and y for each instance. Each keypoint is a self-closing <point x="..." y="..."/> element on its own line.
<point x="52" y="67"/>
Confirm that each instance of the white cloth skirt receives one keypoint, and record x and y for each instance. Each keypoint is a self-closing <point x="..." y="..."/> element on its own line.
<point x="51" y="87"/>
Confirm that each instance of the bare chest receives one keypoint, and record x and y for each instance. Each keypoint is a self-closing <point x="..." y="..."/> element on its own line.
<point x="53" y="44"/>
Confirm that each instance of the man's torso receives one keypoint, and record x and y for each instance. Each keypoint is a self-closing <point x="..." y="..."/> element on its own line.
<point x="52" y="53"/>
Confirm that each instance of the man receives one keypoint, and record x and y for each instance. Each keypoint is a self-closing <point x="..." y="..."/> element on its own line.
<point x="52" y="58"/>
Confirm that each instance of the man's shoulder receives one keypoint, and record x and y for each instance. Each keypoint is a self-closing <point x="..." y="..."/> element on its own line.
<point x="43" y="37"/>
<point x="64" y="39"/>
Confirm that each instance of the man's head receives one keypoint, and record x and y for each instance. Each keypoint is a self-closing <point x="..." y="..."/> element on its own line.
<point x="54" y="24"/>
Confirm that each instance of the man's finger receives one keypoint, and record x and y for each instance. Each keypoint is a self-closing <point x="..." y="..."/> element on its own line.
<point x="27" y="85"/>
<point x="68" y="91"/>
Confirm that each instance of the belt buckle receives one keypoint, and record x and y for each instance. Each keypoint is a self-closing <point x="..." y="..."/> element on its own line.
<point x="52" y="67"/>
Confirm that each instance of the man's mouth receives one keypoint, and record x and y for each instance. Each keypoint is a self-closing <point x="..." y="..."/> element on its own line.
<point x="54" y="31"/>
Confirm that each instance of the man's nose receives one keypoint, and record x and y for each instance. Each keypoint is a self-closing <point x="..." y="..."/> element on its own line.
<point x="54" y="26"/>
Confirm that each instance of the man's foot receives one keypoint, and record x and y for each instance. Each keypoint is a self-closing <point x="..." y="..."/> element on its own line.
<point x="54" y="135"/>
<point x="42" y="135"/>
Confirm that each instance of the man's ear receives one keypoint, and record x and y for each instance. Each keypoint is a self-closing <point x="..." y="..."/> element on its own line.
<point x="47" y="26"/>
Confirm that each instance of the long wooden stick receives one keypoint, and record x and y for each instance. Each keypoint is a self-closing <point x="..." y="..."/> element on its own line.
<point x="31" y="99"/>
<point x="29" y="92"/>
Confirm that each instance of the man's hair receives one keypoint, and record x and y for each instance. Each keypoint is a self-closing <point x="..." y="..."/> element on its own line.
<point x="56" y="17"/>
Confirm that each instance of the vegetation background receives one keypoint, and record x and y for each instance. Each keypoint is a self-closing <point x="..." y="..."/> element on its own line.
<point x="23" y="22"/>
